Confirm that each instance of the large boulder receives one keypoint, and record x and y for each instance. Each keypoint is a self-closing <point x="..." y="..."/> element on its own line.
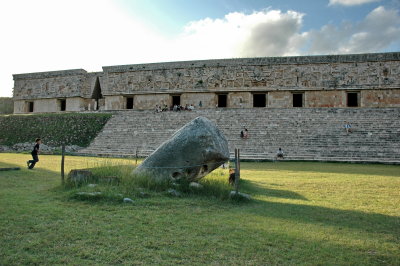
<point x="191" y="153"/>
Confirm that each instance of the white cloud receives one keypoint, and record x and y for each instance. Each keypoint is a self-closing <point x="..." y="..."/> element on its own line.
<point x="351" y="2"/>
<point x="274" y="33"/>
<point x="378" y="30"/>
<point x="268" y="32"/>
<point x="48" y="35"/>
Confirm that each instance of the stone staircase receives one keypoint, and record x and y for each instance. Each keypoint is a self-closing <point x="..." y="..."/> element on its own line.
<point x="314" y="134"/>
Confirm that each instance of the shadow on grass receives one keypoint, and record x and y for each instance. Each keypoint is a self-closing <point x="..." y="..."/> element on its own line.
<point x="325" y="167"/>
<point x="23" y="172"/>
<point x="255" y="189"/>
<point x="367" y="222"/>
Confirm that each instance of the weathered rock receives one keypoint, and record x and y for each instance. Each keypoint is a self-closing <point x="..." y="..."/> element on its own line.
<point x="195" y="185"/>
<point x="173" y="192"/>
<point x="45" y="149"/>
<point x="80" y="176"/>
<point x="4" y="148"/>
<point x="191" y="153"/>
<point x="239" y="195"/>
<point x="128" y="200"/>
<point x="144" y="194"/>
<point x="88" y="193"/>
<point x="111" y="180"/>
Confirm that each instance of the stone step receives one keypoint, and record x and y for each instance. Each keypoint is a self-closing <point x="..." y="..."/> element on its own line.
<point x="306" y="133"/>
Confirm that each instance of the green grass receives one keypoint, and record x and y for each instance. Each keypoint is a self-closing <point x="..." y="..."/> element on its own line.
<point x="114" y="180"/>
<point x="55" y="129"/>
<point x="301" y="214"/>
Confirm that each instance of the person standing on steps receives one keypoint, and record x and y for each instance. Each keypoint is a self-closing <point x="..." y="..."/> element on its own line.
<point x="35" y="154"/>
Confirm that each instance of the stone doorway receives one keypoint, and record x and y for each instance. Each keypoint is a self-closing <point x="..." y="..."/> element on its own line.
<point x="62" y="103"/>
<point x="352" y="99"/>
<point x="176" y="100"/>
<point x="129" y="102"/>
<point x="96" y="95"/>
<point x="297" y="99"/>
<point x="259" y="100"/>
<point x="222" y="100"/>
<point x="29" y="106"/>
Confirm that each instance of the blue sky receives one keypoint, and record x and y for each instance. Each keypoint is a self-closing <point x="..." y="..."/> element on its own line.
<point x="172" y="15"/>
<point x="46" y="35"/>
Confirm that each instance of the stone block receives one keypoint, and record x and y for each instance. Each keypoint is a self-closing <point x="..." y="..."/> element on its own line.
<point x="191" y="153"/>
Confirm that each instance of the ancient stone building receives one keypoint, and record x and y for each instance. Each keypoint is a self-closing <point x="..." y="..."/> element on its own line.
<point x="357" y="80"/>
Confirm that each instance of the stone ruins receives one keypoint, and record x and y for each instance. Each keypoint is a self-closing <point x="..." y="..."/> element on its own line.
<point x="356" y="80"/>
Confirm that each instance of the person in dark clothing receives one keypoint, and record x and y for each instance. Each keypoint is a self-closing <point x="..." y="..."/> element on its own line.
<point x="35" y="154"/>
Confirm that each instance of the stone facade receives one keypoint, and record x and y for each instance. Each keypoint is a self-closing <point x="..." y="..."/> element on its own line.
<point x="360" y="80"/>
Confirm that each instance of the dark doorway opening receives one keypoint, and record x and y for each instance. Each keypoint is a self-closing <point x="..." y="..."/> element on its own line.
<point x="352" y="99"/>
<point x="63" y="105"/>
<point x="129" y="102"/>
<point x="222" y="100"/>
<point x="259" y="100"/>
<point x="297" y="99"/>
<point x="176" y="100"/>
<point x="96" y="95"/>
<point x="30" y="107"/>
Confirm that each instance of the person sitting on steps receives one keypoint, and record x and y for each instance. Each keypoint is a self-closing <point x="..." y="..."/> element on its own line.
<point x="246" y="133"/>
<point x="279" y="154"/>
<point x="347" y="126"/>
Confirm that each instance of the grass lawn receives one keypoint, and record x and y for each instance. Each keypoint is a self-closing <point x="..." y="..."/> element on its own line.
<point x="301" y="213"/>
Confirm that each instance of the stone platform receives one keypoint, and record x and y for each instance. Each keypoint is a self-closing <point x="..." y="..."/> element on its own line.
<point x="306" y="134"/>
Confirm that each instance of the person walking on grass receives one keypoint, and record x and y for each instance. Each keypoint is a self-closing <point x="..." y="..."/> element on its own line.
<point x="35" y="154"/>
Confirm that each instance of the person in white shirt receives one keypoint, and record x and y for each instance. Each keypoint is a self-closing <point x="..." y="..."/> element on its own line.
<point x="279" y="154"/>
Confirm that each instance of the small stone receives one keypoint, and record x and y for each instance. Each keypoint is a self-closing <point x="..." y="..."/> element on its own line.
<point x="173" y="192"/>
<point x="195" y="185"/>
<point x="144" y="194"/>
<point x="80" y="176"/>
<point x="239" y="195"/>
<point x="128" y="200"/>
<point x="88" y="193"/>
<point x="111" y="180"/>
<point x="92" y="185"/>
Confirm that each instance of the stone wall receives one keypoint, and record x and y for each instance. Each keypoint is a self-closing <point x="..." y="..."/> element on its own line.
<point x="333" y="98"/>
<point x="323" y="80"/>
<point x="20" y="107"/>
<point x="368" y="71"/>
<point x="206" y="99"/>
<point x="278" y="99"/>
<point x="55" y="84"/>
<point x="380" y="98"/>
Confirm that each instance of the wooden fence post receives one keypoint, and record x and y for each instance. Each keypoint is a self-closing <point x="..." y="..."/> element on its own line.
<point x="62" y="163"/>
<point x="237" y="170"/>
